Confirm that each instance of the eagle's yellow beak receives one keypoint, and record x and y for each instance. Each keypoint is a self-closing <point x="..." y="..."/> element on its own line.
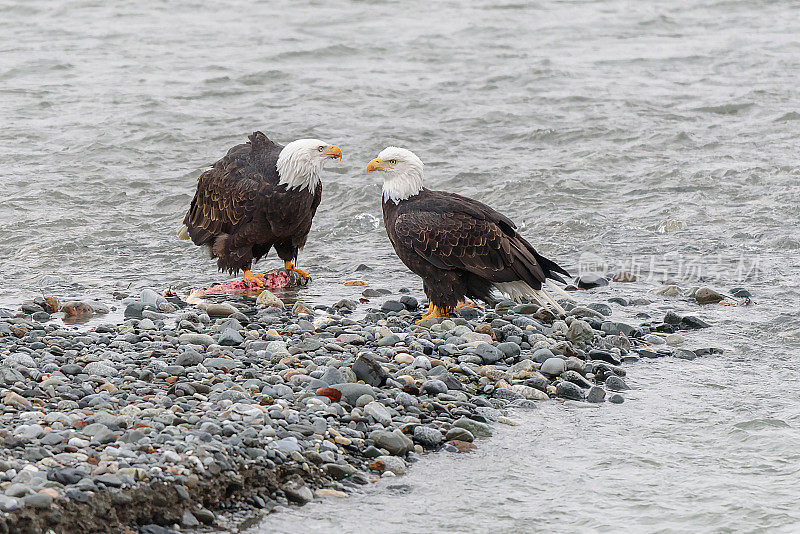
<point x="334" y="152"/>
<point x="375" y="165"/>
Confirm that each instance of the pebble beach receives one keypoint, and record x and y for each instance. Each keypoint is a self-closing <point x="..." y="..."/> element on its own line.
<point x="181" y="417"/>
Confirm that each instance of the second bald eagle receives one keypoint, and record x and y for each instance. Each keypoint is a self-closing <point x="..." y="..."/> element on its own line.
<point x="458" y="246"/>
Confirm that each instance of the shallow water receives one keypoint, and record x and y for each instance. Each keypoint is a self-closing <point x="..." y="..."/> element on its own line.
<point x="652" y="136"/>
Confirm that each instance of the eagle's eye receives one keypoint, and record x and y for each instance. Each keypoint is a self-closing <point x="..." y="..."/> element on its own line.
<point x="393" y="161"/>
<point x="320" y="148"/>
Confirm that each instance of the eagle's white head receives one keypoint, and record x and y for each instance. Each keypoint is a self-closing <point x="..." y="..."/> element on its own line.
<point x="301" y="161"/>
<point x="402" y="176"/>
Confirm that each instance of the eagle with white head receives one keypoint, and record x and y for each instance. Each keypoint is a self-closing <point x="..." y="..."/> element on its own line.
<point x="458" y="246"/>
<point x="259" y="196"/>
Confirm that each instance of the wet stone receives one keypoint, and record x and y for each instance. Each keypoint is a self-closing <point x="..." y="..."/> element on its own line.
<point x="390" y="441"/>
<point x="596" y="395"/>
<point x="434" y="387"/>
<point x="693" y="323"/>
<point x="370" y="371"/>
<point x="230" y="338"/>
<point x="409" y="302"/>
<point x="392" y="306"/>
<point x="568" y="390"/>
<point x="488" y="353"/>
<point x="339" y="471"/>
<point x="476" y="428"/>
<point x="590" y="281"/>
<point x="378" y="412"/>
<point x="427" y="437"/>
<point x="460" y="434"/>
<point x="553" y="367"/>
<point x="616" y="383"/>
<point x="509" y="349"/>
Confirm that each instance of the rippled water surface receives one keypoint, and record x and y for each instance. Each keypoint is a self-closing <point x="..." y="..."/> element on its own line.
<point x="662" y="135"/>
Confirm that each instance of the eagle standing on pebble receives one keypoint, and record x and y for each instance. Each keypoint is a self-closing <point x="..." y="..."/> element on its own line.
<point x="259" y="196"/>
<point x="458" y="246"/>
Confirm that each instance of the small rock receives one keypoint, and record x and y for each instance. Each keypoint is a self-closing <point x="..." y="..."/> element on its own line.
<point x="339" y="471"/>
<point x="590" y="281"/>
<point x="579" y="332"/>
<point x="230" y="338"/>
<point x="568" y="390"/>
<point x="460" y="434"/>
<point x="596" y="395"/>
<point x="220" y="310"/>
<point x="409" y="302"/>
<point x="434" y="387"/>
<point x="693" y="323"/>
<point x="553" y="367"/>
<point x="297" y="491"/>
<point x="352" y="391"/>
<point x="76" y="308"/>
<point x="394" y="442"/>
<point x="38" y="500"/>
<point x="427" y="437"/>
<point x="378" y="412"/>
<point x="9" y="504"/>
<point x="196" y="339"/>
<point x="476" y="428"/>
<point x="392" y="306"/>
<point x="99" y="369"/>
<point x="266" y="299"/>
<point x="669" y="290"/>
<point x="705" y="295"/>
<point x="367" y="369"/>
<point x="624" y="276"/>
<point x="393" y="464"/>
<point x="188" y="520"/>
<point x="615" y="383"/>
<point x="462" y="446"/>
<point x="488" y="353"/>
<point x="509" y="349"/>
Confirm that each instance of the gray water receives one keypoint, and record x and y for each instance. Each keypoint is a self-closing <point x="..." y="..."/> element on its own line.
<point x="657" y="136"/>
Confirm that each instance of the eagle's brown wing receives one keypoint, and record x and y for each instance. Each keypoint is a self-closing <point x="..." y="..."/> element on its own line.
<point x="469" y="236"/>
<point x="228" y="194"/>
<point x="225" y="199"/>
<point x="453" y="240"/>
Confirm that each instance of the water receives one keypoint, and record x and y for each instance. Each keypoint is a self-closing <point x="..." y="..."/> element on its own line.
<point x="656" y="136"/>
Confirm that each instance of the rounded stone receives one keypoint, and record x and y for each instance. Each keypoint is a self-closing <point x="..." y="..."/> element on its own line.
<point x="428" y="437"/>
<point x="460" y="434"/>
<point x="553" y="367"/>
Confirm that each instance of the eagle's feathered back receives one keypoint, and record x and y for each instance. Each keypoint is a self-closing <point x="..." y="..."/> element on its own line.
<point x="226" y="194"/>
<point x="450" y="232"/>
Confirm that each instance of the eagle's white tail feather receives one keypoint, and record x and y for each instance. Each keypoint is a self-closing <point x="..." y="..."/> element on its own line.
<point x="559" y="291"/>
<point x="546" y="296"/>
<point x="519" y="289"/>
<point x="183" y="233"/>
<point x="541" y="301"/>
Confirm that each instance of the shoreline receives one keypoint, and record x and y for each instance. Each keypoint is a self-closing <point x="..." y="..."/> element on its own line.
<point x="191" y="418"/>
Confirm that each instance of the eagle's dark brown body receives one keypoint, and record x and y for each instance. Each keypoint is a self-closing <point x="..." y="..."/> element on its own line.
<point x="240" y="211"/>
<point x="461" y="247"/>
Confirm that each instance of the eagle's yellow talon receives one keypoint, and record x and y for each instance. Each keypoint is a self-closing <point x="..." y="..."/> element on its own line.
<point x="258" y="278"/>
<point x="433" y="312"/>
<point x="290" y="267"/>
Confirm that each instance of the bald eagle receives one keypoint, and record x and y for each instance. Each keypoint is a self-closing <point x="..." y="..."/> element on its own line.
<point x="458" y="246"/>
<point x="260" y="195"/>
